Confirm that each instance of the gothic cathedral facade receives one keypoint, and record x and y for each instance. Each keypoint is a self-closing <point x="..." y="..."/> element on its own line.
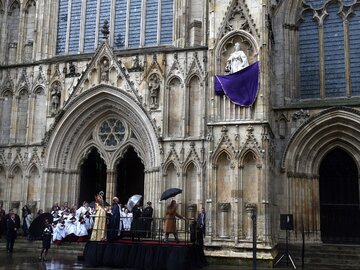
<point x="118" y="95"/>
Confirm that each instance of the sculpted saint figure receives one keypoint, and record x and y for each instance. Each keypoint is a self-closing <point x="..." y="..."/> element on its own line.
<point x="105" y="71"/>
<point x="55" y="97"/>
<point x="154" y="87"/>
<point x="237" y="60"/>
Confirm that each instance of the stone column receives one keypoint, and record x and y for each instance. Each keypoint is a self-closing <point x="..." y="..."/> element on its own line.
<point x="250" y="209"/>
<point x="110" y="185"/>
<point x="191" y="211"/>
<point x="224" y="217"/>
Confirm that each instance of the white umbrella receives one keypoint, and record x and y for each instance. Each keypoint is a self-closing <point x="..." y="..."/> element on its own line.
<point x="133" y="200"/>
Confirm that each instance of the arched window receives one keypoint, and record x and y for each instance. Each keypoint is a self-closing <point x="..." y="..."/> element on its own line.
<point x="22" y="115"/>
<point x="329" y="47"/>
<point x="30" y="15"/>
<point x="194" y="103"/>
<point x="5" y="117"/>
<point x="171" y="177"/>
<point x="191" y="183"/>
<point x="16" y="185"/>
<point x="39" y="116"/>
<point x="223" y="178"/>
<point x="13" y="20"/>
<point x="175" y="107"/>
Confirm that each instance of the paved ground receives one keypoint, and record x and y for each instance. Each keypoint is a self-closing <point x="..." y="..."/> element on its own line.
<point x="21" y="261"/>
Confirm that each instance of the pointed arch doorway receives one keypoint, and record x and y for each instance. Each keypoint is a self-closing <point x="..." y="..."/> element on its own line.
<point x="130" y="176"/>
<point x="339" y="198"/>
<point x="92" y="177"/>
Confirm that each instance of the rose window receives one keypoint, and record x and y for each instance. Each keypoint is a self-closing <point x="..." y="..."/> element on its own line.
<point x="111" y="132"/>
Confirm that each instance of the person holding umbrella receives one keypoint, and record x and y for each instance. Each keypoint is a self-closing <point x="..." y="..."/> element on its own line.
<point x="46" y="240"/>
<point x="170" y="221"/>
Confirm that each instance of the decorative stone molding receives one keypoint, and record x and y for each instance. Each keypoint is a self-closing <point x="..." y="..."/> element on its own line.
<point x="250" y="207"/>
<point x="301" y="114"/>
<point x="224" y="207"/>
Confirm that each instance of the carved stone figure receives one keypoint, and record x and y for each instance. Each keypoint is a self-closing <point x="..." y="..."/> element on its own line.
<point x="154" y="88"/>
<point x="72" y="68"/>
<point x="55" y="97"/>
<point x="237" y="60"/>
<point x="105" y="67"/>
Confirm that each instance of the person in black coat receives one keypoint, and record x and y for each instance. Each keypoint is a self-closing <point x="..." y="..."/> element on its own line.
<point x="136" y="224"/>
<point x="2" y="220"/>
<point x="115" y="220"/>
<point x="46" y="240"/>
<point x="11" y="232"/>
<point x="147" y="218"/>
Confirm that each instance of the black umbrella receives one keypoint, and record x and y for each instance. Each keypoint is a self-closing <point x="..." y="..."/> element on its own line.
<point x="171" y="192"/>
<point x="38" y="225"/>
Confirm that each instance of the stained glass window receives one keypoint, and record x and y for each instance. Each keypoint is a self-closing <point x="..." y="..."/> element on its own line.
<point x="136" y="23"/>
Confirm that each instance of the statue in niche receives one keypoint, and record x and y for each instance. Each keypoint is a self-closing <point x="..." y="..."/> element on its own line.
<point x="237" y="60"/>
<point x="105" y="68"/>
<point x="154" y="88"/>
<point x="136" y="64"/>
<point x="72" y="68"/>
<point x="55" y="97"/>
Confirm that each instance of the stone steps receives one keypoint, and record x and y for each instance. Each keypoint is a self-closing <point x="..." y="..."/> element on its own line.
<point x="23" y="245"/>
<point x="323" y="256"/>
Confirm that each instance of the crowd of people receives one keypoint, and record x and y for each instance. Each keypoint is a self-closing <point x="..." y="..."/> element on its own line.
<point x="95" y="221"/>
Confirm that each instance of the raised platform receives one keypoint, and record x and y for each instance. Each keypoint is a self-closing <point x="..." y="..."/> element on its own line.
<point x="144" y="255"/>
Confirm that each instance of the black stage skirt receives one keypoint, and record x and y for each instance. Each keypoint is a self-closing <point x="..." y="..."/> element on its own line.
<point x="144" y="256"/>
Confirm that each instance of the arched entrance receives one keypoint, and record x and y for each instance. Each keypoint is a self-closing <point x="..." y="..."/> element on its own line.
<point x="77" y="131"/>
<point x="92" y="177"/>
<point x="130" y="176"/>
<point x="339" y="198"/>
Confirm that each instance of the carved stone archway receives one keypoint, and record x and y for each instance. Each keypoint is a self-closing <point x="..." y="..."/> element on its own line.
<point x="74" y="133"/>
<point x="338" y="127"/>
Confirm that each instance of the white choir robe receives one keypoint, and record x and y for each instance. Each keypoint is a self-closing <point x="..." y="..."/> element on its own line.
<point x="59" y="232"/>
<point x="81" y="211"/>
<point x="81" y="229"/>
<point x="71" y="226"/>
<point x="126" y="220"/>
<point x="89" y="222"/>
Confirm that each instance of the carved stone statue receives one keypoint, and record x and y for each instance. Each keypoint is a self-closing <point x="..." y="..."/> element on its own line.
<point x="105" y="67"/>
<point x="55" y="97"/>
<point x="237" y="60"/>
<point x="154" y="88"/>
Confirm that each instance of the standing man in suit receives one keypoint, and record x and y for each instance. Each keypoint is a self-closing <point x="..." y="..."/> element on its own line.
<point x="147" y="219"/>
<point x="11" y="232"/>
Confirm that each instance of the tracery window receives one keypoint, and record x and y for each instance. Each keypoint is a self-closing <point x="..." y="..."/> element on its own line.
<point x="133" y="24"/>
<point x="329" y="47"/>
<point x="111" y="132"/>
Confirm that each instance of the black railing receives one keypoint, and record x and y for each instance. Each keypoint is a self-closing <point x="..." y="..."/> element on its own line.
<point x="144" y="228"/>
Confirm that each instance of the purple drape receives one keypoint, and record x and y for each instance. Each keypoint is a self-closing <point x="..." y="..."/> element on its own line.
<point x="240" y="87"/>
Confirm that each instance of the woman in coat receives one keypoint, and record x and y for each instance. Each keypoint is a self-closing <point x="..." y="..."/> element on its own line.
<point x="170" y="221"/>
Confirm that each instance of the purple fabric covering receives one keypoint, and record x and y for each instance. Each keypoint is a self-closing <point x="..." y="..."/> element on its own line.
<point x="240" y="87"/>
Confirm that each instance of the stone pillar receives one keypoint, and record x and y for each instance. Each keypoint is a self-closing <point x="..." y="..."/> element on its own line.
<point x="110" y="185"/>
<point x="250" y="208"/>
<point x="224" y="217"/>
<point x="191" y="211"/>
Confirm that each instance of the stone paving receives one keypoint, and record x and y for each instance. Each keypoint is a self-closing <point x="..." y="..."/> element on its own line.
<point x="29" y="260"/>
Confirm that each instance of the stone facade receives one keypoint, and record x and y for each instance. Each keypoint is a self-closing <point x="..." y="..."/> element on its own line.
<point x="229" y="159"/>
